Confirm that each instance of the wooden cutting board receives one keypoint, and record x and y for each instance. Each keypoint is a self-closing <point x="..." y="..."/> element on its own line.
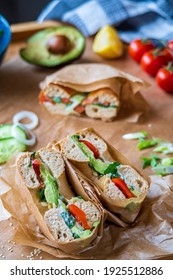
<point x="19" y="91"/>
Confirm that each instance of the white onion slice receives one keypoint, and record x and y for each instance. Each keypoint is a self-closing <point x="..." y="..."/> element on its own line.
<point x="15" y="134"/>
<point x="26" y="114"/>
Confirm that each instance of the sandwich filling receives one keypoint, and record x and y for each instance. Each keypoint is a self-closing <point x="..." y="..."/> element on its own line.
<point x="66" y="219"/>
<point x="80" y="102"/>
<point x="111" y="174"/>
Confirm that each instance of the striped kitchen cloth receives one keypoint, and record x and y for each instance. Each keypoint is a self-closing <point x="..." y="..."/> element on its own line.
<point x="132" y="18"/>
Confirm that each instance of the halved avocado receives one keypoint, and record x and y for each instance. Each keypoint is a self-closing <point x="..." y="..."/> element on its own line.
<point x="54" y="46"/>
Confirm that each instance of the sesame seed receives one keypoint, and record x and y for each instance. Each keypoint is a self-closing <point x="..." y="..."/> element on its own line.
<point x="11" y="224"/>
<point x="41" y="258"/>
<point x="14" y="228"/>
<point x="22" y="255"/>
<point x="9" y="241"/>
<point x="1" y="255"/>
<point x="2" y="246"/>
<point x="14" y="242"/>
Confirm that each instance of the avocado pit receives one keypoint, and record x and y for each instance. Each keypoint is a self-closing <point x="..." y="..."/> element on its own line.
<point x="59" y="44"/>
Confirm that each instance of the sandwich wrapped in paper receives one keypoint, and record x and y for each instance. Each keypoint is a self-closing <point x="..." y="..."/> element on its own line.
<point x="70" y="222"/>
<point x="97" y="91"/>
<point x="119" y="186"/>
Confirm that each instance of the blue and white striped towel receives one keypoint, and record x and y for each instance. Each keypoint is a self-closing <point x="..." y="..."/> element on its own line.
<point x="132" y="18"/>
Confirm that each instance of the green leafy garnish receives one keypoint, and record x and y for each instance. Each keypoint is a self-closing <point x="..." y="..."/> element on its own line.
<point x="115" y="175"/>
<point x="104" y="106"/>
<point x="167" y="161"/>
<point x="31" y="158"/>
<point x="151" y="161"/>
<point x="136" y="135"/>
<point x="164" y="147"/>
<point x="132" y="188"/>
<point x="161" y="169"/>
<point x="143" y="144"/>
<point x="112" y="168"/>
<point x="41" y="195"/>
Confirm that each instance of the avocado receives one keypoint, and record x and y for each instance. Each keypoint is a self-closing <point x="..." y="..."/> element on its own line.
<point x="97" y="164"/>
<point x="51" y="188"/>
<point x="77" y="233"/>
<point x="54" y="46"/>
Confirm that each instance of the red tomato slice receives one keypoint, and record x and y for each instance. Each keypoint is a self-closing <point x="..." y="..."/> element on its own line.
<point x="80" y="108"/>
<point x="44" y="98"/>
<point x="65" y="100"/>
<point x="123" y="187"/>
<point x="36" y="166"/>
<point x="91" y="147"/>
<point x="79" y="215"/>
<point x="87" y="101"/>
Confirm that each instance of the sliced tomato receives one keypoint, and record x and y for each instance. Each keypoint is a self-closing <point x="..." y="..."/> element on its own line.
<point x="106" y="103"/>
<point x="87" y="101"/>
<point x="79" y="215"/>
<point x="65" y="100"/>
<point x="80" y="108"/>
<point x="91" y="147"/>
<point x="36" y="166"/>
<point x="44" y="98"/>
<point x="121" y="185"/>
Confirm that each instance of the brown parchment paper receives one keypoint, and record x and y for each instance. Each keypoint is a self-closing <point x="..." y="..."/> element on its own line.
<point x="30" y="201"/>
<point x="149" y="237"/>
<point x="93" y="76"/>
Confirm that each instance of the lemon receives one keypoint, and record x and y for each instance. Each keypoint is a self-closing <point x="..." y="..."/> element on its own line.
<point x="107" y="43"/>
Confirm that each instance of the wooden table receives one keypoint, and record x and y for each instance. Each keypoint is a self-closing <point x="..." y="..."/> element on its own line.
<point x="158" y="122"/>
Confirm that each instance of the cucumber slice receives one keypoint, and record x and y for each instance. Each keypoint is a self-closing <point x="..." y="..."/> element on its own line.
<point x="5" y="131"/>
<point x="8" y="146"/>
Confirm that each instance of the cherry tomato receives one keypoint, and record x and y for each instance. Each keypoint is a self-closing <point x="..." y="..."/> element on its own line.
<point x="169" y="51"/>
<point x="138" y="47"/>
<point x="164" y="78"/>
<point x="152" y="61"/>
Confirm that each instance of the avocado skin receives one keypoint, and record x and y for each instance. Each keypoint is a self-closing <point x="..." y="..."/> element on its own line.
<point x="36" y="51"/>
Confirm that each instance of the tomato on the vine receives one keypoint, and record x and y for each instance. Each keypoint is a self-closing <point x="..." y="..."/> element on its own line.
<point x="169" y="51"/>
<point x="138" y="47"/>
<point x="152" y="61"/>
<point x="164" y="78"/>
